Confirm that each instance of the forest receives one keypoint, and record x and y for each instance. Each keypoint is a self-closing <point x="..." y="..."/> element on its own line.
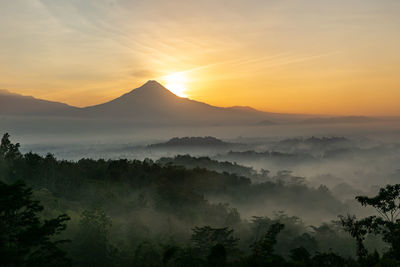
<point x="183" y="211"/>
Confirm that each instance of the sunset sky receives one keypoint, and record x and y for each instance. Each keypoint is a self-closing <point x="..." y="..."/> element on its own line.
<point x="292" y="56"/>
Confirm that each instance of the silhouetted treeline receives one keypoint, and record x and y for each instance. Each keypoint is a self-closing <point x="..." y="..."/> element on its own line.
<point x="190" y="162"/>
<point x="207" y="141"/>
<point x="139" y="213"/>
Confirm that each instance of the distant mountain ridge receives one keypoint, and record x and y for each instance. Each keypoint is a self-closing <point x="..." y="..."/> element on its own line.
<point x="15" y="104"/>
<point x="150" y="104"/>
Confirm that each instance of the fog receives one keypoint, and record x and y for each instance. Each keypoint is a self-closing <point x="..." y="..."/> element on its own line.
<point x="348" y="159"/>
<point x="150" y="185"/>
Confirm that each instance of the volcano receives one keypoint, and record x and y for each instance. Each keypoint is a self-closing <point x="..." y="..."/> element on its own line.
<point x="150" y="104"/>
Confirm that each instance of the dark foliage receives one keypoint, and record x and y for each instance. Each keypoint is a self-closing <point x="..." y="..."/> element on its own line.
<point x="25" y="239"/>
<point x="140" y="213"/>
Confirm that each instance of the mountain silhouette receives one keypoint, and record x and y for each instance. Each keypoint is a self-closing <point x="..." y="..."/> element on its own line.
<point x="15" y="104"/>
<point x="151" y="95"/>
<point x="151" y="103"/>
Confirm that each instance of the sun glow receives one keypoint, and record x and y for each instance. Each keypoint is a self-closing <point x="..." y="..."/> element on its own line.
<point x="176" y="83"/>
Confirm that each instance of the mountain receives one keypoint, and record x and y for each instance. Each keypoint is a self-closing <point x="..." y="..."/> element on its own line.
<point x="15" y="104"/>
<point x="150" y="104"/>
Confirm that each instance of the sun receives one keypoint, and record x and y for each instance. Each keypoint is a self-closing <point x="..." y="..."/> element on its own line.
<point x="176" y="83"/>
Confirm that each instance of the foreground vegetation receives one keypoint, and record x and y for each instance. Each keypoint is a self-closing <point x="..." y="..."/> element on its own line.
<point x="141" y="213"/>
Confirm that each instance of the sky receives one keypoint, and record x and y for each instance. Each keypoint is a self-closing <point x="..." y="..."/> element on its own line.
<point x="292" y="56"/>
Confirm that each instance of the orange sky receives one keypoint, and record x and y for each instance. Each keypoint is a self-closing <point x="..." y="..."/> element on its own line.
<point x="326" y="57"/>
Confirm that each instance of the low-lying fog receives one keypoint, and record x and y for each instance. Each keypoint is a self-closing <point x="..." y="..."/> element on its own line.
<point x="348" y="159"/>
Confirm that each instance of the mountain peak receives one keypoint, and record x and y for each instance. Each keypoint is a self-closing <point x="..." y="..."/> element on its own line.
<point x="153" y="84"/>
<point x="152" y="88"/>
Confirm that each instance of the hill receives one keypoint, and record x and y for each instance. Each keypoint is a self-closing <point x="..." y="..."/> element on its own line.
<point x="207" y="141"/>
<point x="15" y="104"/>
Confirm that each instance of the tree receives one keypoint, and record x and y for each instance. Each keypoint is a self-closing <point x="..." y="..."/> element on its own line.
<point x="217" y="256"/>
<point x="386" y="203"/>
<point x="26" y="240"/>
<point x="8" y="150"/>
<point x="205" y="238"/>
<point x="9" y="153"/>
<point x="300" y="256"/>
<point x="329" y="259"/>
<point x="387" y="224"/>
<point x="91" y="244"/>
<point x="146" y="255"/>
<point x="263" y="249"/>
<point x="265" y="246"/>
<point x="358" y="229"/>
